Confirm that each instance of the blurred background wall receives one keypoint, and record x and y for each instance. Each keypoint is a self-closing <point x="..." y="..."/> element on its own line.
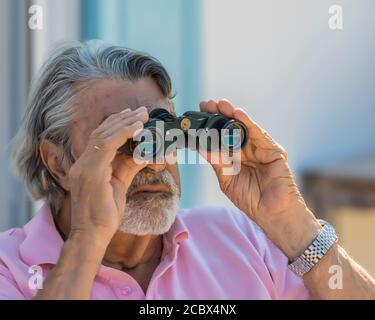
<point x="22" y="50"/>
<point x="311" y="87"/>
<point x="14" y="77"/>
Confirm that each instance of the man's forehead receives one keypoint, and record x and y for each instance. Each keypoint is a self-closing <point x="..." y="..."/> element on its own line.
<point x="103" y="98"/>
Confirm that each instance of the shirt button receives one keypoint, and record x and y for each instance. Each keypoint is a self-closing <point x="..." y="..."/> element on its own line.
<point x="125" y="290"/>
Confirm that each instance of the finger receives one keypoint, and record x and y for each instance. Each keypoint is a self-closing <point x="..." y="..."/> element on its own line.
<point x="210" y="106"/>
<point x="143" y="117"/>
<point x="226" y="108"/>
<point x="103" y="150"/>
<point x="119" y="195"/>
<point x="202" y="105"/>
<point x="116" y="118"/>
<point x="120" y="136"/>
<point x="125" y="168"/>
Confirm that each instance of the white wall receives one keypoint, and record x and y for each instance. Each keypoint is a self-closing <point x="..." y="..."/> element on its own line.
<point x="312" y="88"/>
<point x="61" y="22"/>
<point x="22" y="51"/>
<point x="15" y="206"/>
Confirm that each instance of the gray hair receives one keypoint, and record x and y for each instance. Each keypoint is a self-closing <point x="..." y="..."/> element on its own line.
<point x="50" y="106"/>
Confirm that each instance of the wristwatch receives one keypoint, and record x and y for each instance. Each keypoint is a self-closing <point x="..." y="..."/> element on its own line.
<point x="315" y="251"/>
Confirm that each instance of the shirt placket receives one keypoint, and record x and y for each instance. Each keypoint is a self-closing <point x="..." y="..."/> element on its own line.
<point x="168" y="261"/>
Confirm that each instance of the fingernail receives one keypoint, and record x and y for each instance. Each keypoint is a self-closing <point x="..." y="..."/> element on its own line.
<point x="141" y="109"/>
<point x="125" y="110"/>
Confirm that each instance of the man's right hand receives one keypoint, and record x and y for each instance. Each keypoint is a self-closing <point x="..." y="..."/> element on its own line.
<point x="100" y="177"/>
<point x="99" y="181"/>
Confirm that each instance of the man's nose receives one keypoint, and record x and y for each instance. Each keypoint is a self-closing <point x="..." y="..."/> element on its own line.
<point x="157" y="167"/>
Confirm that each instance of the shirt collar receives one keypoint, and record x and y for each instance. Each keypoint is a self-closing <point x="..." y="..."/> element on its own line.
<point x="43" y="242"/>
<point x="178" y="231"/>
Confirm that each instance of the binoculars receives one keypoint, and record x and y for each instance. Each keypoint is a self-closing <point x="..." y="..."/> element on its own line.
<point x="165" y="132"/>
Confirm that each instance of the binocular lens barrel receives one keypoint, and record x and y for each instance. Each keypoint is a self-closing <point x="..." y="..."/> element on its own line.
<point x="149" y="145"/>
<point x="232" y="135"/>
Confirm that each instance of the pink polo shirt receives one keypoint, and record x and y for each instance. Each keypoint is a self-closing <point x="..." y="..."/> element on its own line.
<point x="209" y="253"/>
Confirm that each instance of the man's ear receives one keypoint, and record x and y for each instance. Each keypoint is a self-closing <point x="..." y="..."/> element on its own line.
<point x="56" y="162"/>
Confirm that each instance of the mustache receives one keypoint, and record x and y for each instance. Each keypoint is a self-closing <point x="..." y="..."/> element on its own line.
<point x="149" y="176"/>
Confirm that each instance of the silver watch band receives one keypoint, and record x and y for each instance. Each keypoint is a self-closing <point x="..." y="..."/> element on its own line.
<point x="315" y="251"/>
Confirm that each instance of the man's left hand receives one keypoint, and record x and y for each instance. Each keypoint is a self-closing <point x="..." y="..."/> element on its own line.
<point x="264" y="188"/>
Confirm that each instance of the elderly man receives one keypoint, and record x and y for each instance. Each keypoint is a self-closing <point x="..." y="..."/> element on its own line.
<point x="111" y="228"/>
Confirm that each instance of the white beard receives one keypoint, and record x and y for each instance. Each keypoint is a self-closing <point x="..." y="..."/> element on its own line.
<point x="155" y="213"/>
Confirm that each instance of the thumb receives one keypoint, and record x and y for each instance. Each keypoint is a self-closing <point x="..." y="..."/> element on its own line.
<point x="119" y="195"/>
<point x="125" y="169"/>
